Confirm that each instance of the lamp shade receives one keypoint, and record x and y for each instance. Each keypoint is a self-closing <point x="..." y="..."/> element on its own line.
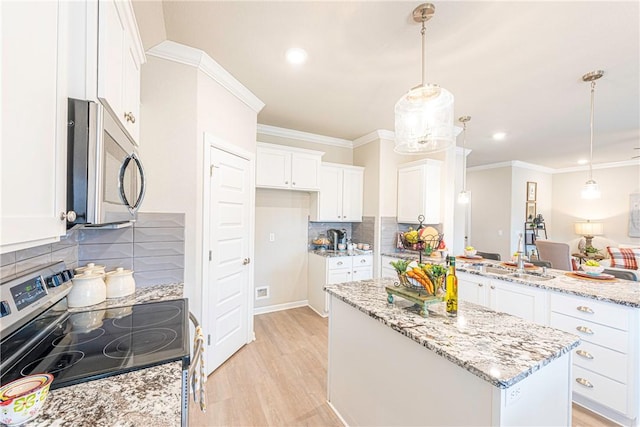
<point x="589" y="228"/>
<point x="424" y="120"/>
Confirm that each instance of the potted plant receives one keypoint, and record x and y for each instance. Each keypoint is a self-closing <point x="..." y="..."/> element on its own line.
<point x="590" y="251"/>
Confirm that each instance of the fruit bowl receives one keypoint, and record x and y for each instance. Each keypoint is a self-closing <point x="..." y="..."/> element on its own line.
<point x="470" y="253"/>
<point x="22" y="399"/>
<point x="592" y="269"/>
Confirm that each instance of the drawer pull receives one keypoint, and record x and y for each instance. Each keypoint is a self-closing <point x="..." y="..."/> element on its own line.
<point x="480" y="285"/>
<point x="584" y="309"/>
<point x="584" y="354"/>
<point x="584" y="330"/>
<point x="493" y="287"/>
<point x="584" y="382"/>
<point x="339" y="263"/>
<point x="362" y="261"/>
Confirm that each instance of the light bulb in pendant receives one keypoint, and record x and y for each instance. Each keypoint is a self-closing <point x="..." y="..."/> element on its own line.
<point x="591" y="190"/>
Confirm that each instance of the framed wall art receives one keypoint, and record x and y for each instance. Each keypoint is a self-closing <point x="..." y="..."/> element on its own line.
<point x="530" y="211"/>
<point x="532" y="190"/>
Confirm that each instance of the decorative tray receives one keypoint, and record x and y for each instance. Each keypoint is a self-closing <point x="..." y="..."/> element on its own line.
<point x="408" y="289"/>
<point x="600" y="277"/>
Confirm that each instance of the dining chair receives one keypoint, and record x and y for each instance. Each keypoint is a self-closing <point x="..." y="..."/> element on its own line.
<point x="489" y="255"/>
<point x="541" y="263"/>
<point x="557" y="253"/>
<point x="626" y="275"/>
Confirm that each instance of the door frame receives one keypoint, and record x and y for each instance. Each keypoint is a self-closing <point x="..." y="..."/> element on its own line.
<point x="212" y="141"/>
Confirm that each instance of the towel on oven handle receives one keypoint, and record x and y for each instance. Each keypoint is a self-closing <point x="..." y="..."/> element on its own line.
<point x="197" y="376"/>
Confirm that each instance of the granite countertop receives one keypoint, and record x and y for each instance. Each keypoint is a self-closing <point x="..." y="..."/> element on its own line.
<point x="332" y="254"/>
<point x="497" y="347"/>
<point x="618" y="291"/>
<point x="150" y="396"/>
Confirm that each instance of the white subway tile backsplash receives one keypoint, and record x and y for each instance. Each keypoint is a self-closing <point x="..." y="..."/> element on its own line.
<point x="105" y="251"/>
<point x="8" y="258"/>
<point x="158" y="263"/>
<point x="158" y="249"/>
<point x="93" y="236"/>
<point x="32" y="252"/>
<point x="171" y="234"/>
<point x="110" y="263"/>
<point x="149" y="278"/>
<point x="8" y="272"/>
<point x="160" y="220"/>
<point x="68" y="254"/>
<point x="31" y="263"/>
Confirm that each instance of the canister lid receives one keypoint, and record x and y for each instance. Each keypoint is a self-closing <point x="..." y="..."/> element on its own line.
<point x="120" y="272"/>
<point x="90" y="267"/>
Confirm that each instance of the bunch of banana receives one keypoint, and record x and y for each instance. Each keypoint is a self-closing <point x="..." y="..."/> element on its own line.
<point x="411" y="236"/>
<point x="421" y="277"/>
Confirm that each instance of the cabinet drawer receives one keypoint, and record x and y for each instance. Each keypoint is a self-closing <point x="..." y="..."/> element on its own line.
<point x="600" y="389"/>
<point x="595" y="358"/>
<point x="362" y="260"/>
<point x="604" y="313"/>
<point x="339" y="262"/>
<point x="591" y="332"/>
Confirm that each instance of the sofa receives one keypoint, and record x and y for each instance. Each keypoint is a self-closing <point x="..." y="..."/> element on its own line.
<point x="625" y="256"/>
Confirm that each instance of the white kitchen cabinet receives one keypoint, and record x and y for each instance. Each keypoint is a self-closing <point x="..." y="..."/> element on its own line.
<point x="473" y="288"/>
<point x="34" y="123"/>
<point x="419" y="191"/>
<point x="120" y="55"/>
<point x="331" y="270"/>
<point x="606" y="369"/>
<point x="287" y="168"/>
<point x="340" y="195"/>
<point x="386" y="269"/>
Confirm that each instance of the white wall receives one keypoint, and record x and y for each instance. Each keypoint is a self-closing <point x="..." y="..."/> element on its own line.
<point x="281" y="264"/>
<point x="150" y="19"/>
<point x="521" y="174"/>
<point x="616" y="184"/>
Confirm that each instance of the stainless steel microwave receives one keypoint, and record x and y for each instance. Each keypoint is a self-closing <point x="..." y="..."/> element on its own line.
<point x="105" y="177"/>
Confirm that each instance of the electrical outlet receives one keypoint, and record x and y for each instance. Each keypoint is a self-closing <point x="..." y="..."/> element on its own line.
<point x="272" y="237"/>
<point x="262" y="292"/>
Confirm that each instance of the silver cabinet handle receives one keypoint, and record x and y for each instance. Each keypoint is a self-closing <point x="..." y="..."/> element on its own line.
<point x="363" y="260"/>
<point x="69" y="216"/>
<point x="339" y="263"/>
<point x="584" y="330"/>
<point x="246" y="261"/>
<point x="128" y="116"/>
<point x="584" y="382"/>
<point x="293" y="183"/>
<point x="493" y="287"/>
<point x="584" y="309"/>
<point x="480" y="285"/>
<point x="286" y="182"/>
<point x="584" y="354"/>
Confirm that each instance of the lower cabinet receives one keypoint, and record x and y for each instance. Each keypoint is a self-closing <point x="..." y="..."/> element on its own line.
<point x="331" y="270"/>
<point x="386" y="269"/>
<point x="518" y="300"/>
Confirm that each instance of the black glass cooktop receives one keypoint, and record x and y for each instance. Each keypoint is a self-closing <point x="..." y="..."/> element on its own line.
<point x="94" y="344"/>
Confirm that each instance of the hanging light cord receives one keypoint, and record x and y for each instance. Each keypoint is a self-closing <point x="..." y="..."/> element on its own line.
<point x="593" y="86"/>
<point x="464" y="156"/>
<point x="423" y="32"/>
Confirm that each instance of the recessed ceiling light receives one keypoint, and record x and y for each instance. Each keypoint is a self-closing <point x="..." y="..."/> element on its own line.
<point x="499" y="136"/>
<point x="583" y="161"/>
<point x="296" y="56"/>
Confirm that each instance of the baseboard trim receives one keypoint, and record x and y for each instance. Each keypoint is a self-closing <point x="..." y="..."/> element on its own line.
<point x="335" y="411"/>
<point x="279" y="307"/>
<point x="318" y="313"/>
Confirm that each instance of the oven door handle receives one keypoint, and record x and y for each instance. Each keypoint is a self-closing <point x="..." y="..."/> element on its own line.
<point x="143" y="183"/>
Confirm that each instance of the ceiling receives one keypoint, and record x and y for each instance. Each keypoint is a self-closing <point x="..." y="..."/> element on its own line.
<point x="512" y="66"/>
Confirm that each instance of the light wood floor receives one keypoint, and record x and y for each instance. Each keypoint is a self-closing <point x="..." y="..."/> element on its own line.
<point x="280" y="379"/>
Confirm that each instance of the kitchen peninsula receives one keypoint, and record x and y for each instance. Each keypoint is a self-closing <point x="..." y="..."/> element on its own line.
<point x="390" y="366"/>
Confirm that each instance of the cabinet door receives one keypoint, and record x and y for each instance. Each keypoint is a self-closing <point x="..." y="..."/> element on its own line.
<point x="34" y="116"/>
<point x="111" y="48"/>
<point x="362" y="273"/>
<point x="304" y="171"/>
<point x="518" y="300"/>
<point x="472" y="288"/>
<point x="339" y="275"/>
<point x="131" y="95"/>
<point x="330" y="194"/>
<point x="410" y="194"/>
<point x="352" y="193"/>
<point x="431" y="189"/>
<point x="273" y="168"/>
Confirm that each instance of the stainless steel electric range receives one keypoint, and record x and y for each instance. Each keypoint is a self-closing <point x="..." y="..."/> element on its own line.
<point x="38" y="334"/>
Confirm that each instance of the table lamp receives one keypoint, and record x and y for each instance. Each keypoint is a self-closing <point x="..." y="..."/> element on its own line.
<point x="588" y="230"/>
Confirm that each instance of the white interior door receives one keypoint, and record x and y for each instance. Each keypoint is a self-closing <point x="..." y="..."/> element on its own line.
<point x="228" y="279"/>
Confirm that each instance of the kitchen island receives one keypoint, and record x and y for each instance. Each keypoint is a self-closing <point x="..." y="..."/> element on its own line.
<point x="150" y="396"/>
<point x="390" y="366"/>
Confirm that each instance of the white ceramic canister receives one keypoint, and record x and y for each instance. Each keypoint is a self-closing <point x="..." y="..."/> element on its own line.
<point x="120" y="283"/>
<point x="91" y="268"/>
<point x="88" y="289"/>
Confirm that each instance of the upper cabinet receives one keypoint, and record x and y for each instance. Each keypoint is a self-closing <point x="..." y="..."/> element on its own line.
<point x="419" y="191"/>
<point x="291" y="168"/>
<point x="120" y="55"/>
<point x="340" y="195"/>
<point x="34" y="123"/>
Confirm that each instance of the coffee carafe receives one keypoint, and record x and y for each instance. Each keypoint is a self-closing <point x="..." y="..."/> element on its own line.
<point x="337" y="237"/>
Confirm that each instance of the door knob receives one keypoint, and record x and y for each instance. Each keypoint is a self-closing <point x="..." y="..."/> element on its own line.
<point x="69" y="216"/>
<point x="246" y="261"/>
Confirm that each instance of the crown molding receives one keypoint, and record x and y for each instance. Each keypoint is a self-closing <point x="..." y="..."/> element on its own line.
<point x="188" y="55"/>
<point x="380" y="134"/>
<point x="525" y="165"/>
<point x="599" y="166"/>
<point x="303" y="136"/>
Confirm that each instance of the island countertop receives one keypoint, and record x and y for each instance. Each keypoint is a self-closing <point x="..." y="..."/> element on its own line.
<point x="497" y="347"/>
<point x="619" y="291"/>
<point x="148" y="396"/>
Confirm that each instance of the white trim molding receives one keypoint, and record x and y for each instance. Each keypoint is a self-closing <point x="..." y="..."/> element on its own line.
<point x="512" y="163"/>
<point x="599" y="166"/>
<point x="280" y="307"/>
<point x="302" y="136"/>
<point x="188" y="55"/>
<point x="380" y="134"/>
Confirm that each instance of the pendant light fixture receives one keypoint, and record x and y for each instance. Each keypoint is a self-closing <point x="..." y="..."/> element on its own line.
<point x="591" y="189"/>
<point x="464" y="197"/>
<point x="424" y="115"/>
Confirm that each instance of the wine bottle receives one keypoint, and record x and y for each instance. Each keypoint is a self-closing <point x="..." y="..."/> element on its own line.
<point x="451" y="296"/>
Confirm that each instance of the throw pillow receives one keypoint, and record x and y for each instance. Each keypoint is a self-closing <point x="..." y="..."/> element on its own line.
<point x="628" y="258"/>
